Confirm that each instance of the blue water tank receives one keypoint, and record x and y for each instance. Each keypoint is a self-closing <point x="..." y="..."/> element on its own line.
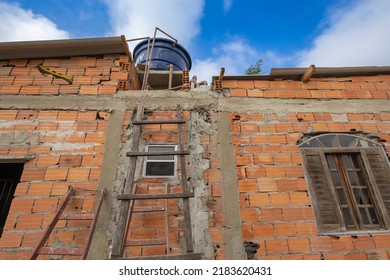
<point x="165" y="52"/>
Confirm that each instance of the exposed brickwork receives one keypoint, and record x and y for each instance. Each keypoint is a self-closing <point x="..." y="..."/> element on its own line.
<point x="65" y="154"/>
<point x="360" y="87"/>
<point x="276" y="211"/>
<point x="91" y="75"/>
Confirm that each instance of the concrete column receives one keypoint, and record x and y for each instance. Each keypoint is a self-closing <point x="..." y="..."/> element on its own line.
<point x="230" y="195"/>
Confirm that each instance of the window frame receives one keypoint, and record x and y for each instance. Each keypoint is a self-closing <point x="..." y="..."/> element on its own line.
<point x="312" y="182"/>
<point x="146" y="160"/>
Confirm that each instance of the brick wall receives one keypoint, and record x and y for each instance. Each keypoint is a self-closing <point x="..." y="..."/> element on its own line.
<point x="91" y="75"/>
<point x="67" y="149"/>
<point x="276" y="211"/>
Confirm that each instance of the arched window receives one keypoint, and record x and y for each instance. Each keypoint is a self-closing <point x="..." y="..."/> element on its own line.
<point x="349" y="182"/>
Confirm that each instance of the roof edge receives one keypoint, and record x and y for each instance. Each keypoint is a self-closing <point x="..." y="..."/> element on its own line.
<point x="321" y="72"/>
<point x="63" y="47"/>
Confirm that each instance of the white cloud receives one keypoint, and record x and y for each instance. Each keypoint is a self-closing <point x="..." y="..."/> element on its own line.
<point x="357" y="35"/>
<point x="136" y="19"/>
<point x="235" y="56"/>
<point x="18" y="24"/>
<point x="227" y="5"/>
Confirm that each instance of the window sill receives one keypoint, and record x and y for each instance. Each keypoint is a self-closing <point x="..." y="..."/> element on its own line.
<point x="360" y="232"/>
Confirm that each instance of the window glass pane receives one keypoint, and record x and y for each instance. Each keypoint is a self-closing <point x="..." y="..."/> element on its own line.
<point x="360" y="178"/>
<point x="341" y="195"/>
<point x="345" y="159"/>
<point x="160" y="169"/>
<point x="355" y="161"/>
<point x="314" y="143"/>
<point x="366" y="196"/>
<point x="352" y="178"/>
<point x="358" y="197"/>
<point x="374" y="217"/>
<point x="363" y="214"/>
<point x="347" y="216"/>
<point x="330" y="160"/>
<point x="161" y="149"/>
<point x="347" y="141"/>
<point x="335" y="178"/>
<point x="329" y="141"/>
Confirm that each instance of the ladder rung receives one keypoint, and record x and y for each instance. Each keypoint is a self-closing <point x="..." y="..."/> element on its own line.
<point x="76" y="217"/>
<point x="154" y="196"/>
<point x="148" y="209"/>
<point x="172" y="153"/>
<point x="159" y="122"/>
<point x="146" y="242"/>
<point x="60" y="251"/>
<point x="188" y="256"/>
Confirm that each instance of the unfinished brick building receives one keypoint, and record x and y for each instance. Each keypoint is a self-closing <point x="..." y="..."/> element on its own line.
<point x="290" y="165"/>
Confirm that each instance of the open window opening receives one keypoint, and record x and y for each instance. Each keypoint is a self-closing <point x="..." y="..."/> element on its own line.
<point x="10" y="174"/>
<point x="160" y="166"/>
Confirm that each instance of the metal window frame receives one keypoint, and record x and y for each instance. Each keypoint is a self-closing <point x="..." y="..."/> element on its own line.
<point x="146" y="160"/>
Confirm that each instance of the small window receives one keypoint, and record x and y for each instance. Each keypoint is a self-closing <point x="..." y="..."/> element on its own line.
<point x="10" y="174"/>
<point x="160" y="166"/>
<point x="349" y="182"/>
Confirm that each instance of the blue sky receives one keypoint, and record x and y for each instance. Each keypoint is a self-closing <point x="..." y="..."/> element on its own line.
<point x="220" y="33"/>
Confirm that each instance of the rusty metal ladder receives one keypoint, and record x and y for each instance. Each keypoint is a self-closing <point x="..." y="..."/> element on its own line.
<point x="129" y="193"/>
<point x="40" y="249"/>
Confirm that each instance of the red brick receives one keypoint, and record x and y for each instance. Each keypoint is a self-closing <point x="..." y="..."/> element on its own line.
<point x="11" y="89"/>
<point x="356" y="256"/>
<point x="255" y="172"/>
<point x="271" y="214"/>
<point x="21" y="205"/>
<point x="11" y="239"/>
<point x="297" y="214"/>
<point x="238" y="92"/>
<point x="285" y="229"/>
<point x="276" y="246"/>
<point x="32" y="175"/>
<point x="250" y="214"/>
<point x="40" y="189"/>
<point x="70" y="160"/>
<point x="263" y="158"/>
<point x="259" y="199"/>
<point x="299" y="198"/>
<point x="8" y="114"/>
<point x="78" y="173"/>
<point x="323" y="243"/>
<point x="247" y="185"/>
<point x="343" y="244"/>
<point x="33" y="221"/>
<point x="57" y="174"/>
<point x="275" y="171"/>
<point x="45" y="205"/>
<point x="299" y="245"/>
<point x="280" y="199"/>
<point x="263" y="230"/>
<point x="244" y="159"/>
<point x="107" y="89"/>
<point x="294" y="171"/>
<point x="47" y="160"/>
<point x="266" y="185"/>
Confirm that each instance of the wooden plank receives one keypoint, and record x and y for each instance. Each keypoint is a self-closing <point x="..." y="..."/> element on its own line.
<point x="159" y="122"/>
<point x="186" y="202"/>
<point x="308" y="73"/>
<point x="52" y="224"/>
<point x="146" y="242"/>
<point x="170" y="153"/>
<point x="60" y="251"/>
<point x="191" y="256"/>
<point x="154" y="196"/>
<point x="76" y="217"/>
<point x="149" y="209"/>
<point x="124" y="215"/>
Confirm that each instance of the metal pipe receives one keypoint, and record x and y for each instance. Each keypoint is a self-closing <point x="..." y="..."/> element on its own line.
<point x="170" y="76"/>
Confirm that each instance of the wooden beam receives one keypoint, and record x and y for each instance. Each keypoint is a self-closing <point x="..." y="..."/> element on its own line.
<point x="154" y="196"/>
<point x="173" y="153"/>
<point x="159" y="122"/>
<point x="221" y="73"/>
<point x="308" y="73"/>
<point x="191" y="256"/>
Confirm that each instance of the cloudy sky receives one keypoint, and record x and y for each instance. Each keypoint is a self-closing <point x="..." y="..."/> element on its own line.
<point x="220" y="33"/>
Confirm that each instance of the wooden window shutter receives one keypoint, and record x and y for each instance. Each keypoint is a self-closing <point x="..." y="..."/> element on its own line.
<point x="380" y="177"/>
<point x="327" y="212"/>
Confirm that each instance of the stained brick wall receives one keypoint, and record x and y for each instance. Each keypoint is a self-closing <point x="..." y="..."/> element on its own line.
<point x="103" y="75"/>
<point x="67" y="149"/>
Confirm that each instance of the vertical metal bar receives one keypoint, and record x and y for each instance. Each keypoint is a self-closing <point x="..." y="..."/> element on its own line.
<point x="170" y="76"/>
